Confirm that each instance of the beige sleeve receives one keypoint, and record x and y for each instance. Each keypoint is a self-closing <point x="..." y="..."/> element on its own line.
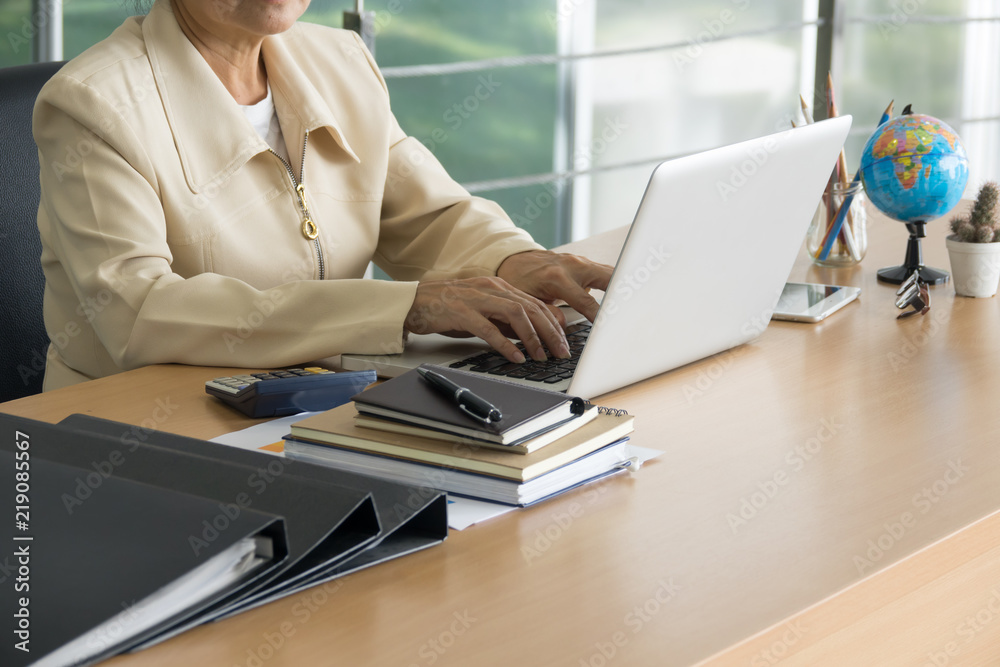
<point x="432" y="228"/>
<point x="106" y="242"/>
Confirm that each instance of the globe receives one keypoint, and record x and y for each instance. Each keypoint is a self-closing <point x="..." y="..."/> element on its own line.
<point x="914" y="168"/>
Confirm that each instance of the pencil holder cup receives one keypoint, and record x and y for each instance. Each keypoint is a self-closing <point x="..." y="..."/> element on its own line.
<point x="837" y="235"/>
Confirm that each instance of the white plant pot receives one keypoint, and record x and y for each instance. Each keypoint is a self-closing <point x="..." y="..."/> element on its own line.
<point x="975" y="267"/>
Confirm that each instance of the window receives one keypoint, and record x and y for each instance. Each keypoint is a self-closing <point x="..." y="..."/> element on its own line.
<point x="483" y="123"/>
<point x="18" y="30"/>
<point x="87" y="22"/>
<point x="941" y="56"/>
<point x="694" y="76"/>
<point x="559" y="110"/>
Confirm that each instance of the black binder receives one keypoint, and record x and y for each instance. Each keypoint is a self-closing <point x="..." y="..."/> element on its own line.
<point x="75" y="566"/>
<point x="323" y="521"/>
<point x="335" y="522"/>
<point x="411" y="519"/>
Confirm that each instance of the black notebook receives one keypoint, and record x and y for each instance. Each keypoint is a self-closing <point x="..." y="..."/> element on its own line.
<point x="527" y="411"/>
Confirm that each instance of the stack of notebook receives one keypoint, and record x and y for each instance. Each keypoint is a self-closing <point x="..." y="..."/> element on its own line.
<point x="405" y="431"/>
<point x="126" y="538"/>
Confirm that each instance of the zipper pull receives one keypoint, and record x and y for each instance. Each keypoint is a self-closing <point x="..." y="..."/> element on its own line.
<point x="309" y="228"/>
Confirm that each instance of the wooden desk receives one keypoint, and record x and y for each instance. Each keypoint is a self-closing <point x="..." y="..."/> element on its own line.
<point x="828" y="496"/>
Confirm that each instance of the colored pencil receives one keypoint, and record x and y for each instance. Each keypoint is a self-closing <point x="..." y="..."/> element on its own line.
<point x="805" y="110"/>
<point x="846" y="205"/>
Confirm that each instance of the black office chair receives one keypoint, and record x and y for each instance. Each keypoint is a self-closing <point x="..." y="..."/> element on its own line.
<point x="23" y="341"/>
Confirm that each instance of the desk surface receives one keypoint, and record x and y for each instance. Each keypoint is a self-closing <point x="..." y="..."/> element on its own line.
<point x="827" y="496"/>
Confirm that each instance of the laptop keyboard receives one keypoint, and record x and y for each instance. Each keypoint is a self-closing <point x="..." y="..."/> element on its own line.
<point x="550" y="371"/>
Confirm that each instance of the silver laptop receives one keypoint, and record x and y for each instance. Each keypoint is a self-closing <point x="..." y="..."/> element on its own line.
<point x="700" y="272"/>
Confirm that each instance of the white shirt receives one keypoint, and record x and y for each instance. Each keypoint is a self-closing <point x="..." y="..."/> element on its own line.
<point x="265" y="120"/>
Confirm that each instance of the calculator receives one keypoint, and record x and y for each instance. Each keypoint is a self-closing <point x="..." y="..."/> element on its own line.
<point x="289" y="391"/>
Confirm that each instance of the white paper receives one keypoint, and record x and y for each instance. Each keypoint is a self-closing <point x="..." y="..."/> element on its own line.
<point x="263" y="434"/>
<point x="643" y="454"/>
<point x="462" y="512"/>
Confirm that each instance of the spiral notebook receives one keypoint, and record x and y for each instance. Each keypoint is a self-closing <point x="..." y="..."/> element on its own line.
<point x="413" y="434"/>
<point x="336" y="429"/>
<point x="528" y="412"/>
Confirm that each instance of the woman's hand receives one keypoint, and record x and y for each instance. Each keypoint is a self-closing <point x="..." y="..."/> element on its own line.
<point x="518" y="303"/>
<point x="491" y="309"/>
<point x="550" y="276"/>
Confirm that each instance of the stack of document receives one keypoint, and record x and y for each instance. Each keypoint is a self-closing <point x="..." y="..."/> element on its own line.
<point x="405" y="431"/>
<point x="129" y="536"/>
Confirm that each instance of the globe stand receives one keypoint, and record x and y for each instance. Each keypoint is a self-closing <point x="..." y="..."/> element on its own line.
<point x="914" y="261"/>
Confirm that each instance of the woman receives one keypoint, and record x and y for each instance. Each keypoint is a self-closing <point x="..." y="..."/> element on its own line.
<point x="216" y="178"/>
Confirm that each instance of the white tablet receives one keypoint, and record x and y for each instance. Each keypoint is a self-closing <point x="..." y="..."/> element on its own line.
<point x="809" y="302"/>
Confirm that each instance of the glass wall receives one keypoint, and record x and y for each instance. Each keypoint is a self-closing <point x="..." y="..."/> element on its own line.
<point x="86" y="22"/>
<point x="482" y="124"/>
<point x="941" y="57"/>
<point x="637" y="81"/>
<point x="18" y="29"/>
<point x="729" y="70"/>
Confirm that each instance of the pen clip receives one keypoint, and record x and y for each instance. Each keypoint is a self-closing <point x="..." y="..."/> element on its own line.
<point x="632" y="464"/>
<point x="485" y="420"/>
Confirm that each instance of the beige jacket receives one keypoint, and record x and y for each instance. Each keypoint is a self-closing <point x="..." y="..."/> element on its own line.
<point x="171" y="233"/>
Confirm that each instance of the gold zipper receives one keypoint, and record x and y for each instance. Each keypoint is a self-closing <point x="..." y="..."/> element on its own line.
<point x="309" y="228"/>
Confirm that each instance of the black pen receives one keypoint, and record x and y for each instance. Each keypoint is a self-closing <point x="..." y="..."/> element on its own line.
<point x="467" y="401"/>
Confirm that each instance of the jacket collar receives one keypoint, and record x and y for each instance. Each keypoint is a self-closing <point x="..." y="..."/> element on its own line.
<point x="213" y="137"/>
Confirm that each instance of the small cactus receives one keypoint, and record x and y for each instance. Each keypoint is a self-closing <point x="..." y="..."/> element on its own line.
<point x="983" y="223"/>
